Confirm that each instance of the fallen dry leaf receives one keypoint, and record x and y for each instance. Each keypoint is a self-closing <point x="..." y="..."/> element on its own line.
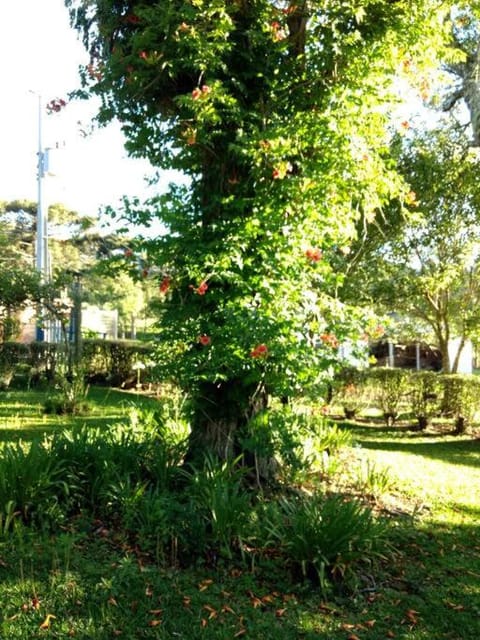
<point x="213" y="613"/>
<point x="154" y="623"/>
<point x="268" y="598"/>
<point x="410" y="616"/>
<point x="47" y="622"/>
<point x="347" y="626"/>
<point x="227" y="609"/>
<point x="204" y="584"/>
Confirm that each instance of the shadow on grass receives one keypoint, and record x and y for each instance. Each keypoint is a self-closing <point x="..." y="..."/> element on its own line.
<point x="460" y="452"/>
<point x="39" y="429"/>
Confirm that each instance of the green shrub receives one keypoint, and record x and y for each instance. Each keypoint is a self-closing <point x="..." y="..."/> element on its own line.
<point x="217" y="491"/>
<point x="351" y="391"/>
<point x="291" y="442"/>
<point x="33" y="483"/>
<point x="390" y="390"/>
<point x="424" y="396"/>
<point x="324" y="538"/>
<point x="70" y="395"/>
<point x="373" y="481"/>
<point x="112" y="361"/>
<point x="460" y="399"/>
<point x="12" y="355"/>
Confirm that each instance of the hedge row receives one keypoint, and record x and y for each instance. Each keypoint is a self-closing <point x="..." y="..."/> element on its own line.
<point x="423" y="394"/>
<point x="109" y="362"/>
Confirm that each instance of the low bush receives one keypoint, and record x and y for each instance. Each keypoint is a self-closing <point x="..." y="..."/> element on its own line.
<point x="292" y="443"/>
<point x="424" y="396"/>
<point x="390" y="388"/>
<point x="133" y="479"/>
<point x="324" y="537"/>
<point x="351" y="391"/>
<point x="461" y="399"/>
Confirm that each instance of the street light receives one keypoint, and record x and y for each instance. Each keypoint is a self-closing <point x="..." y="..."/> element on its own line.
<point x="41" y="244"/>
<point x="42" y="256"/>
<point x="42" y="210"/>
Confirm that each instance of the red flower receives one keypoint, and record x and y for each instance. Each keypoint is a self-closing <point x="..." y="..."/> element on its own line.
<point x="132" y="18"/>
<point x="276" y="174"/>
<point x="206" y="89"/>
<point x="278" y="32"/>
<point x="196" y="93"/>
<point x="202" y="288"/>
<point x="405" y="124"/>
<point x="128" y="253"/>
<point x="260" y="351"/>
<point x="205" y="340"/>
<point x="143" y="55"/>
<point x="56" y="105"/>
<point x="329" y="339"/>
<point x="314" y="255"/>
<point x="165" y="284"/>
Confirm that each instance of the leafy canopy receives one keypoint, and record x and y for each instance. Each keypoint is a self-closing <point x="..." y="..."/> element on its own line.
<point x="277" y="113"/>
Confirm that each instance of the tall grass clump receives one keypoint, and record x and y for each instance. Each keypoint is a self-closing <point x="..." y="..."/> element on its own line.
<point x="292" y="443"/>
<point x="218" y="493"/>
<point x="33" y="484"/>
<point x="135" y="482"/>
<point x="325" y="538"/>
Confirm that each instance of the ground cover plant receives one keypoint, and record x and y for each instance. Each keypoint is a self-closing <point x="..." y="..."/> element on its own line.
<point x="104" y="551"/>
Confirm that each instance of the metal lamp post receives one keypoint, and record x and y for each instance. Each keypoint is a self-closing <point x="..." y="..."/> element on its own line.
<point x="42" y="261"/>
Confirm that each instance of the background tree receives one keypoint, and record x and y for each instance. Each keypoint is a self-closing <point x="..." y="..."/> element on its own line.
<point x="276" y="112"/>
<point x="464" y="68"/>
<point x="422" y="261"/>
<point x="76" y="246"/>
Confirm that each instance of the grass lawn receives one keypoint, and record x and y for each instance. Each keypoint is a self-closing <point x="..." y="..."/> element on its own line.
<point x="88" y="583"/>
<point x="22" y="415"/>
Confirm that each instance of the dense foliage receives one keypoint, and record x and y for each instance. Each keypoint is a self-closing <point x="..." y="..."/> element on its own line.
<point x="276" y="113"/>
<point x="422" y="263"/>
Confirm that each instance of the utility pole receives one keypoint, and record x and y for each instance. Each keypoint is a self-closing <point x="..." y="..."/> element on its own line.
<point x="42" y="255"/>
<point x="42" y="210"/>
<point x="41" y="248"/>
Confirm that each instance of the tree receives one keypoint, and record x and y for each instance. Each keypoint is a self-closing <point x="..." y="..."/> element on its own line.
<point x="76" y="247"/>
<point x="276" y="112"/>
<point x="424" y="264"/>
<point x="464" y="68"/>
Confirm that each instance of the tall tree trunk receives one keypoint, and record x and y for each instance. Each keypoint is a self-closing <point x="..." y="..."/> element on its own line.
<point x="221" y="414"/>
<point x="456" y="360"/>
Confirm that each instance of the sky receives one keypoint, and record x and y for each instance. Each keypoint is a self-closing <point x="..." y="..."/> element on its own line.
<point x="39" y="56"/>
